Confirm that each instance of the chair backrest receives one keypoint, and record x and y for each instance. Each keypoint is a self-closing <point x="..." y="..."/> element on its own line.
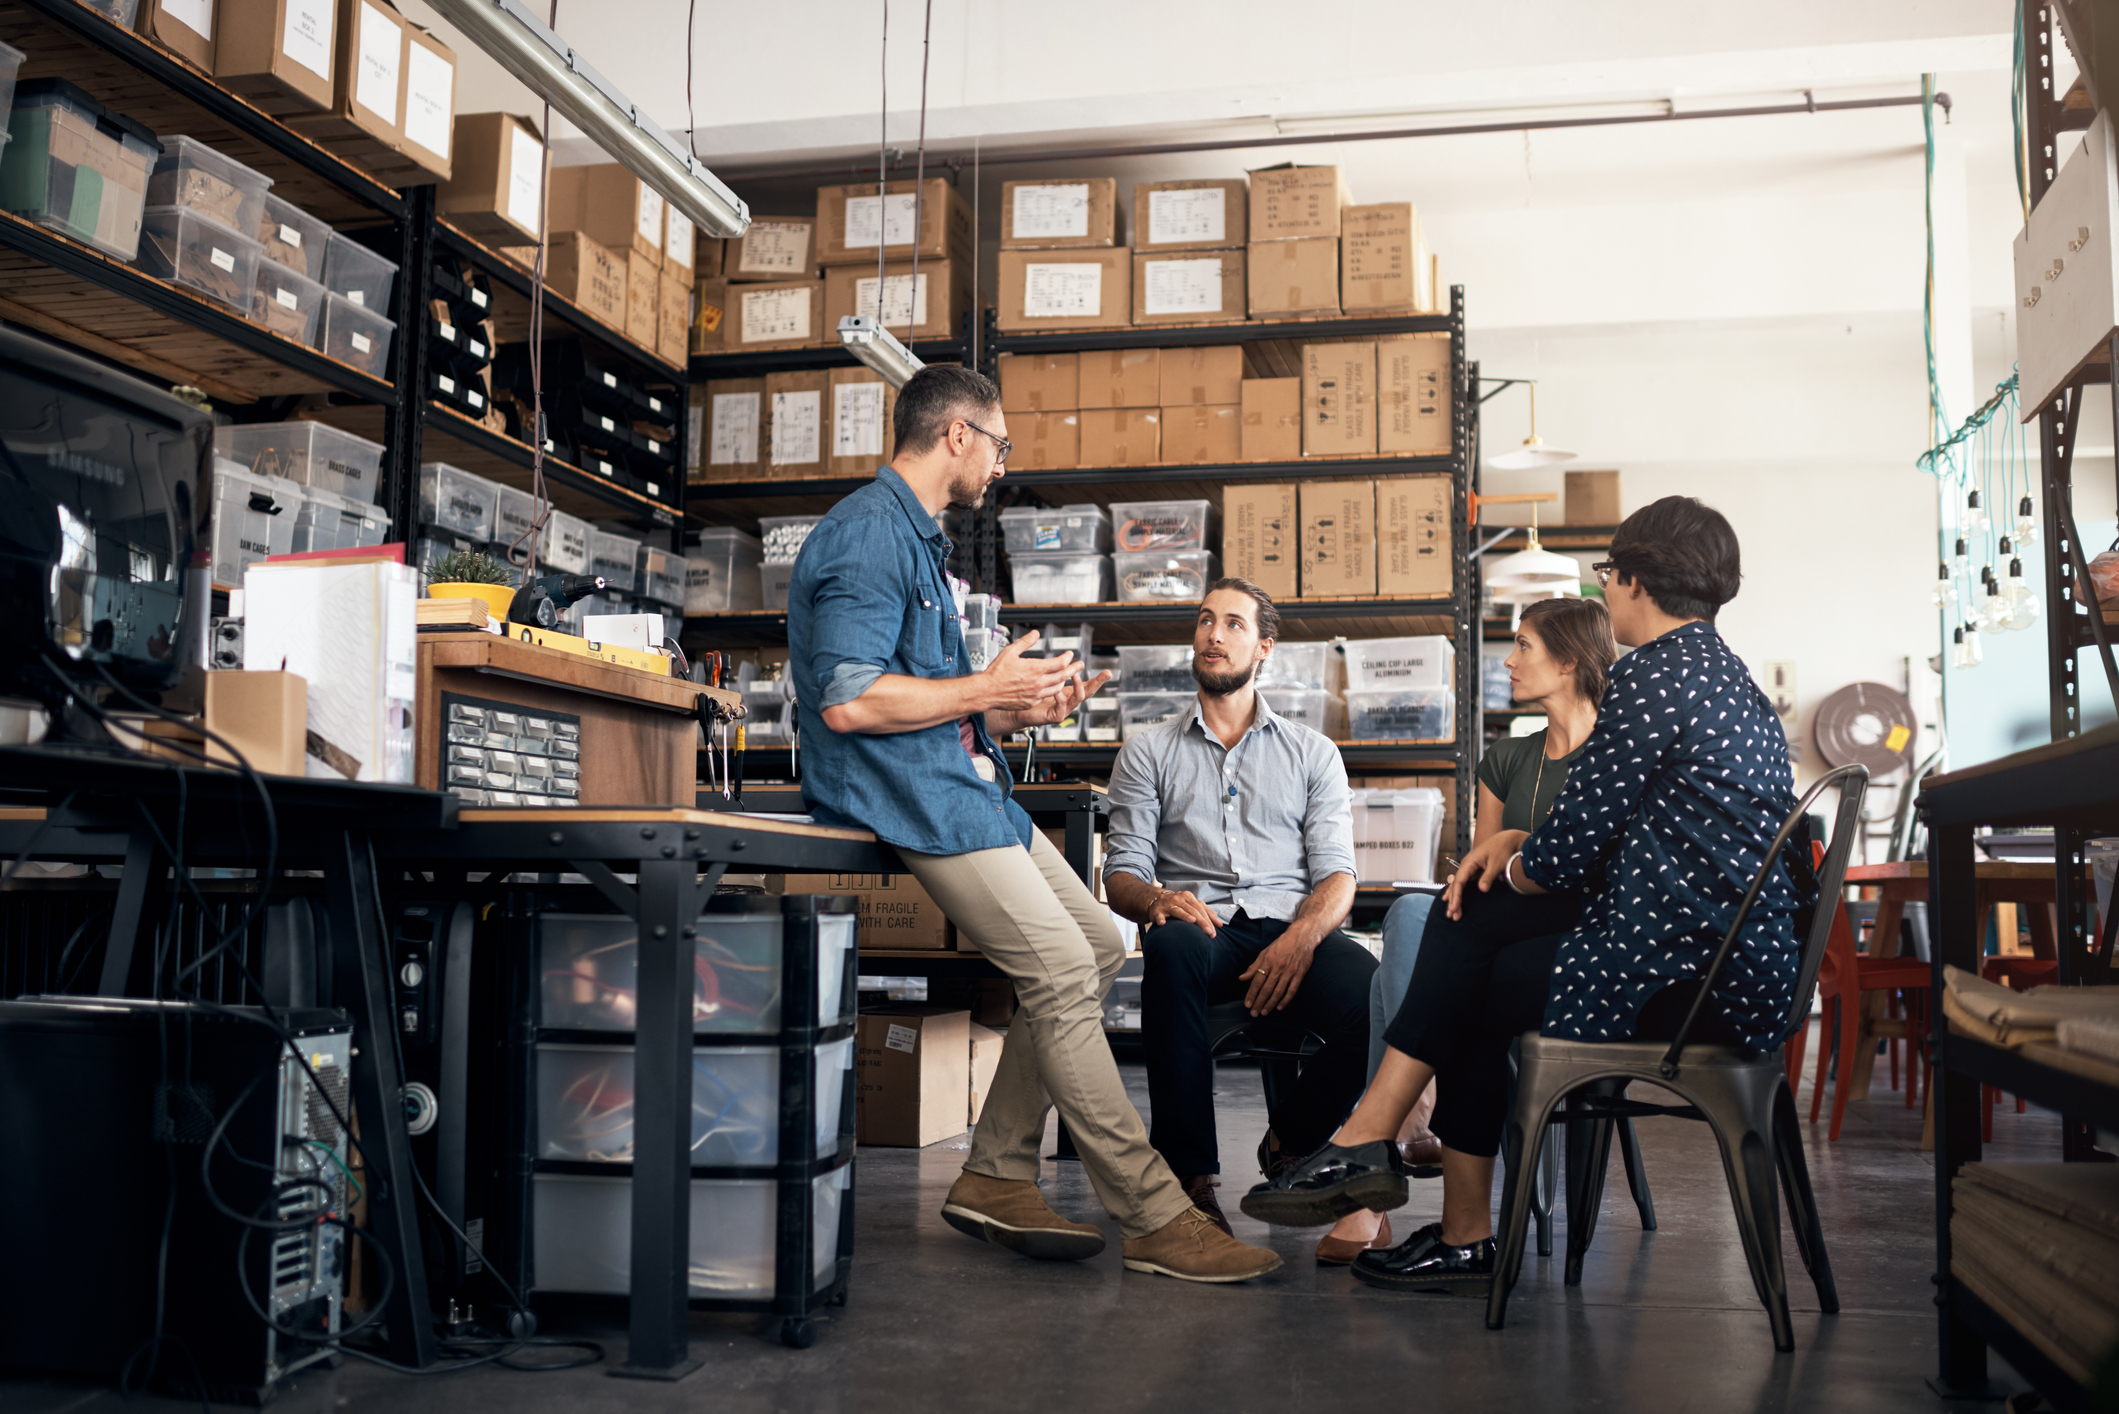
<point x="1853" y="783"/>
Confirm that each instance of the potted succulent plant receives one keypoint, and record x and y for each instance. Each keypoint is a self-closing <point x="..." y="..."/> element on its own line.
<point x="473" y="574"/>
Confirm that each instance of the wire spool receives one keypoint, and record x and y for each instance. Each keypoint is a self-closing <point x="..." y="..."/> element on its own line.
<point x="1866" y="724"/>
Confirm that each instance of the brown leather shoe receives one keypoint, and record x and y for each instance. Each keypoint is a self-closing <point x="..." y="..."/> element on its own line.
<point x="1200" y="1189"/>
<point x="1273" y="1160"/>
<point x="1191" y="1248"/>
<point x="1340" y="1252"/>
<point x="1423" y="1157"/>
<point x="1012" y="1213"/>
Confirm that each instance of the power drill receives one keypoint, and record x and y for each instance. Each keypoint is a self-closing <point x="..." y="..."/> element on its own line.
<point x="540" y="601"/>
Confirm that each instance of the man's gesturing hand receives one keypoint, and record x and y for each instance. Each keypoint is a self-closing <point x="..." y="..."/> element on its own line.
<point x="1018" y="684"/>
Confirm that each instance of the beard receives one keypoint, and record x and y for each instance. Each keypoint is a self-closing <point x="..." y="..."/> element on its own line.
<point x="1221" y="684"/>
<point x="969" y="493"/>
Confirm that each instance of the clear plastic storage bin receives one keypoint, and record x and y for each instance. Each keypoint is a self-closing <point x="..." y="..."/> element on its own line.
<point x="326" y="521"/>
<point x="1155" y="667"/>
<point x="1164" y="576"/>
<point x="658" y="576"/>
<point x="1376" y="663"/>
<point x="720" y="573"/>
<point x="783" y="536"/>
<point x="1101" y="720"/>
<point x="1496" y="692"/>
<point x="293" y="237"/>
<point x="357" y="337"/>
<point x="1311" y="707"/>
<point x="589" y="964"/>
<point x="457" y="501"/>
<point x="357" y="274"/>
<point x="1138" y="711"/>
<point x="1060" y="579"/>
<point x="10" y="65"/>
<point x="123" y="12"/>
<point x="1036" y="530"/>
<point x="206" y="183"/>
<point x="76" y="167"/>
<point x="614" y="557"/>
<point x="1138" y="526"/>
<point x="585" y="1104"/>
<point x="253" y="516"/>
<point x="287" y="302"/>
<point x="1303" y="665"/>
<point x="181" y="246"/>
<point x="566" y="545"/>
<point x="513" y="512"/>
<point x="768" y="715"/>
<point x="312" y="453"/>
<point x="1401" y="714"/>
<point x="773" y="582"/>
<point x="1395" y="835"/>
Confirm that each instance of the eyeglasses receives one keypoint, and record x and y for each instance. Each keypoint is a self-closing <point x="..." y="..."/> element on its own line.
<point x="1005" y="445"/>
<point x="1602" y="570"/>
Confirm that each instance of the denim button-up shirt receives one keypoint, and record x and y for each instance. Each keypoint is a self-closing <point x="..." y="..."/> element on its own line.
<point x="870" y="596"/>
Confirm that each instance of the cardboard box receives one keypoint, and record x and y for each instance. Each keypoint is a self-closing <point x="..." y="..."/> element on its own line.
<point x="495" y="190"/>
<point x="1210" y="374"/>
<point x="673" y="315"/>
<point x="1194" y="435"/>
<point x="643" y="299"/>
<point x="1592" y="498"/>
<point x="578" y="269"/>
<point x="708" y="253"/>
<point x="1121" y="436"/>
<point x="680" y="246"/>
<point x="1120" y="378"/>
<point x="1339" y="399"/>
<point x="281" y="55"/>
<point x="897" y="915"/>
<point x="912" y="1075"/>
<point x="732" y="434"/>
<point x="1338" y="538"/>
<point x="710" y="310"/>
<point x="264" y="715"/>
<point x="776" y="248"/>
<point x="1412" y="390"/>
<point x="1065" y="289"/>
<point x="1191" y="287"/>
<point x="986" y="1046"/>
<point x="796" y="407"/>
<point x="863" y="409"/>
<point x="1261" y="536"/>
<point x="1291" y="202"/>
<point x="1209" y="215"/>
<point x="1378" y="246"/>
<point x="1293" y="277"/>
<point x="370" y="83"/>
<point x="429" y="116"/>
<point x="1040" y="382"/>
<point x="935" y="309"/>
<point x="1272" y="419"/>
<point x="611" y="205"/>
<point x="787" y="315"/>
<point x="1413" y="556"/>
<point x="1067" y="213"/>
<point x="1046" y="441"/>
<point x="177" y="27"/>
<point x="851" y="220"/>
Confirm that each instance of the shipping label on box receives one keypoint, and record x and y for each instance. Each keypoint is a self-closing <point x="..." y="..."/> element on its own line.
<point x="430" y="102"/>
<point x="1412" y="379"/>
<point x="1046" y="441"/>
<point x="1377" y="248"/>
<point x="1065" y="289"/>
<point x="930" y="303"/>
<point x="1049" y="215"/>
<point x="795" y="404"/>
<point x="1196" y="436"/>
<point x="776" y="249"/>
<point x="1261" y="537"/>
<point x="1338" y="538"/>
<point x="1206" y="375"/>
<point x="1413" y="558"/>
<point x="912" y="1075"/>
<point x="862" y="407"/>
<point x="1040" y="382"/>
<point x="1293" y="277"/>
<point x="776" y="316"/>
<point x="1289" y="202"/>
<point x="852" y="221"/>
<point x="1204" y="215"/>
<point x="279" y="54"/>
<point x="1120" y="378"/>
<point x="897" y="915"/>
<point x="1339" y="399"/>
<point x="1272" y="419"/>
<point x="735" y="429"/>
<point x="1194" y="287"/>
<point x="1121" y="436"/>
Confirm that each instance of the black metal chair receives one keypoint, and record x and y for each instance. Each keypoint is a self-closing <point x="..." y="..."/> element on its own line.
<point x="1275" y="1042"/>
<point x="1741" y="1094"/>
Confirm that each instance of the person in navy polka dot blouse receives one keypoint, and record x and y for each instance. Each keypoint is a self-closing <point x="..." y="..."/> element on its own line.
<point x="1594" y="926"/>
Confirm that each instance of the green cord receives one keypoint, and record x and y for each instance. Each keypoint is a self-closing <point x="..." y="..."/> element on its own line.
<point x="332" y="1154"/>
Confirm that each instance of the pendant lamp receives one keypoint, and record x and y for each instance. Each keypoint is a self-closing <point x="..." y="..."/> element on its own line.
<point x="1533" y="453"/>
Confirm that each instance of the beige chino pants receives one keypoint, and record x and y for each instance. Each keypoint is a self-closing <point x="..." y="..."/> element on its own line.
<point x="1038" y="922"/>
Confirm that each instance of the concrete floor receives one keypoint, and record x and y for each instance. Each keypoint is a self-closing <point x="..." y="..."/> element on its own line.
<point x="1662" y="1321"/>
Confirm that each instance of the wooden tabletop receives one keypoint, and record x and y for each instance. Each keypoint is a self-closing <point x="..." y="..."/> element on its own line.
<point x="656" y="815"/>
<point x="512" y="657"/>
<point x="1989" y="869"/>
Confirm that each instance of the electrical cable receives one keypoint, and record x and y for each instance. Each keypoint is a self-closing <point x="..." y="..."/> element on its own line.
<point x="919" y="192"/>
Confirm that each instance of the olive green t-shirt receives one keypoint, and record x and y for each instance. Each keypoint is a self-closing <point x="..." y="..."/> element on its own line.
<point x="1510" y="770"/>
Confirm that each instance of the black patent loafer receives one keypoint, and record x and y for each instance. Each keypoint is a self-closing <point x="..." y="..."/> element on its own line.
<point x="1329" y="1184"/>
<point x="1424" y="1262"/>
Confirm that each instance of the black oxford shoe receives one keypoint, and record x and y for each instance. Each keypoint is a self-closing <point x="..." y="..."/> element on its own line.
<point x="1424" y="1262"/>
<point x="1329" y="1184"/>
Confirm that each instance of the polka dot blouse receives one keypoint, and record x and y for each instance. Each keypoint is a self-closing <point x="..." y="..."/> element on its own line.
<point x="1663" y="821"/>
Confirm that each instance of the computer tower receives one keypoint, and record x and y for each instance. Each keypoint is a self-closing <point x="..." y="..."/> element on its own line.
<point x="109" y="1106"/>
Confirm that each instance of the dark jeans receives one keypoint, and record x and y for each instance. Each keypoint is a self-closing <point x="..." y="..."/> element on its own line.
<point x="1186" y="972"/>
<point x="1482" y="981"/>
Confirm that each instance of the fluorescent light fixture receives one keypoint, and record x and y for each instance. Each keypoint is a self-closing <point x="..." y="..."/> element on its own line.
<point x="551" y="68"/>
<point x="866" y="338"/>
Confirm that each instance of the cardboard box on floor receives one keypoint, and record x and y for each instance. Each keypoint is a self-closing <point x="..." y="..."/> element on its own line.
<point x="1046" y="441"/>
<point x="1120" y="378"/>
<point x="1206" y="215"/>
<point x="986" y="1046"/>
<point x="1040" y="382"/>
<point x="774" y="248"/>
<point x="862" y="433"/>
<point x="1413" y="415"/>
<point x="912" y="1075"/>
<point x="1120" y="436"/>
<point x="1338" y="538"/>
<point x="1290" y="201"/>
<point x="851" y="220"/>
<point x="935" y="309"/>
<point x="1272" y="419"/>
<point x="1293" y="277"/>
<point x="280" y="55"/>
<point x="496" y="183"/>
<point x="1413" y="537"/>
<point x="896" y="913"/>
<point x="1261" y="537"/>
<point x="1339" y="399"/>
<point x="796" y="410"/>
<point x="733" y="438"/>
<point x="1206" y="375"/>
<point x="1065" y="289"/>
<point x="1189" y="287"/>
<point x="1071" y="213"/>
<point x="1202" y="436"/>
<point x="607" y="202"/>
<point x="1592" y="498"/>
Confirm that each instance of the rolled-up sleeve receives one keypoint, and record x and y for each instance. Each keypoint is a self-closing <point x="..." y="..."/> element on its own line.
<point x="1328" y="816"/>
<point x="857" y="600"/>
<point x="1130" y="841"/>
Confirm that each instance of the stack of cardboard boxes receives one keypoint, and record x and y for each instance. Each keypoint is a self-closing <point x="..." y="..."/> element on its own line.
<point x="793" y="426"/>
<point x="1062" y="263"/>
<point x="1339" y="539"/>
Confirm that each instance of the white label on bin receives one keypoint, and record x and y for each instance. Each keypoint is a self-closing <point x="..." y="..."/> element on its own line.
<point x="608" y="425"/>
<point x="901" y="302"/>
<point x="194" y="15"/>
<point x="651" y="215"/>
<point x="610" y="380"/>
<point x="478" y="297"/>
<point x="1070" y="291"/>
<point x="1052" y="213"/>
<point x="857" y="420"/>
<point x="307" y="37"/>
<point x="222" y="258"/>
<point x="290" y="237"/>
<point x="430" y="101"/>
<point x="774" y="248"/>
<point x="476" y="400"/>
<point x="287" y="299"/>
<point x="525" y="177"/>
<point x="1197" y="215"/>
<point x="654" y="488"/>
<point x="448" y="332"/>
<point x="771" y="316"/>
<point x="1183" y="286"/>
<point x="868" y="218"/>
<point x="798" y="420"/>
<point x="448" y="384"/>
<point x="735" y="429"/>
<point x="362" y="343"/>
<point x="357" y="298"/>
<point x="902" y="1038"/>
<point x="382" y="42"/>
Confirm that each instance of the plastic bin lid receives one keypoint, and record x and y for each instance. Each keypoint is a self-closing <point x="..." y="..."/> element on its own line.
<point x="58" y="93"/>
<point x="8" y="51"/>
<point x="173" y="149"/>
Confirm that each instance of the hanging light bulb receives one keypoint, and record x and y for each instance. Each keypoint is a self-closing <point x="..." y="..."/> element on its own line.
<point x="1944" y="596"/>
<point x="1970" y="654"/>
<point x="2023" y="602"/>
<point x="1961" y="651"/>
<point x="2003" y="550"/>
<point x="1994" y="607"/>
<point x="2026" y="525"/>
<point x="1961" y="560"/>
<point x="1975" y="515"/>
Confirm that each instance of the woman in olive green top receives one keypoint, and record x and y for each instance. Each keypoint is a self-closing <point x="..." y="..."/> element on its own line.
<point x="1564" y="649"/>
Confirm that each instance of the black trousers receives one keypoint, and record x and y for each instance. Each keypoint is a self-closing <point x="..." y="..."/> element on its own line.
<point x="1482" y="981"/>
<point x="1185" y="972"/>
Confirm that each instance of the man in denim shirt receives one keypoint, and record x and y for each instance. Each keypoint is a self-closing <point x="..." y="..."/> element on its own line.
<point x="901" y="742"/>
